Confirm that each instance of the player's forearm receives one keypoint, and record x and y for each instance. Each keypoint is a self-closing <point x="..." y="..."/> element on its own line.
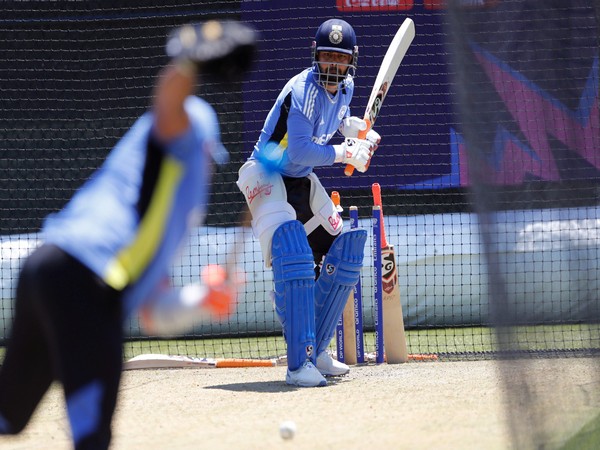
<point x="302" y="150"/>
<point x="175" y="83"/>
<point x="307" y="153"/>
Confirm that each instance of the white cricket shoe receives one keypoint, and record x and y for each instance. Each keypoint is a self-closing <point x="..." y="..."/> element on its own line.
<point x="330" y="367"/>
<point x="306" y="376"/>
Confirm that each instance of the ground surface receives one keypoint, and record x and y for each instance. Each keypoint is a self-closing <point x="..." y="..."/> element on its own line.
<point x="441" y="405"/>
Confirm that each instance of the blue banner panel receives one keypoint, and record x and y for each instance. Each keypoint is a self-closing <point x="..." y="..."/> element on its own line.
<point x="416" y="119"/>
<point x="538" y="90"/>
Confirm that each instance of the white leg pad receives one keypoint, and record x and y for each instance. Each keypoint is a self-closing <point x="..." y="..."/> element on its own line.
<point x="266" y="197"/>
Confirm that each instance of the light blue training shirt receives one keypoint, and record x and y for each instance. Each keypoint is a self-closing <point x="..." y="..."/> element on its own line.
<point x="300" y="124"/>
<point x="129" y="220"/>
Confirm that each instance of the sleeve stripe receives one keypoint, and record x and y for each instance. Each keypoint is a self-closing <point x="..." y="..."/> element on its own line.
<point x="132" y="260"/>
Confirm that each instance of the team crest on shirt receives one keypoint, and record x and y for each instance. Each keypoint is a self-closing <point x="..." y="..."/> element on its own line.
<point x="342" y="112"/>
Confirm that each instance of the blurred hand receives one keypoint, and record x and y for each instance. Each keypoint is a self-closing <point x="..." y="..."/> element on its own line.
<point x="221" y="295"/>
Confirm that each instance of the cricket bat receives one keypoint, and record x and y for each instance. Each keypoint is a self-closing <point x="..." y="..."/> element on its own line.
<point x="349" y="334"/>
<point x="393" y="321"/>
<point x="159" y="361"/>
<point x="389" y="66"/>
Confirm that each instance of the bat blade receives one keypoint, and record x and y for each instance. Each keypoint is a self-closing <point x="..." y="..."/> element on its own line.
<point x="389" y="66"/>
<point x="394" y="337"/>
<point x="350" y="356"/>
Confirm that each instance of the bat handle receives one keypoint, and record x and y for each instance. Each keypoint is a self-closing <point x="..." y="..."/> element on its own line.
<point x="335" y="198"/>
<point x="349" y="170"/>
<point x="376" y="189"/>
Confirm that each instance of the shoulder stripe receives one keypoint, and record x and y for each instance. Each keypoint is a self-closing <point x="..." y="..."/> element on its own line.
<point x="309" y="104"/>
<point x="281" y="126"/>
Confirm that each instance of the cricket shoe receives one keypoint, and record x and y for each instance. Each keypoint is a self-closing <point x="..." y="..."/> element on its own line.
<point x="306" y="376"/>
<point x="330" y="367"/>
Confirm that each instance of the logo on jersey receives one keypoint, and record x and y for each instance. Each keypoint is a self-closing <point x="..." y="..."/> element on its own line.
<point x="336" y="36"/>
<point x="323" y="139"/>
<point x="342" y="112"/>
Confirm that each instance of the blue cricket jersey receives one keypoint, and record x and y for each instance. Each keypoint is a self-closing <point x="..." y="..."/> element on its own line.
<point x="300" y="124"/>
<point x="131" y="217"/>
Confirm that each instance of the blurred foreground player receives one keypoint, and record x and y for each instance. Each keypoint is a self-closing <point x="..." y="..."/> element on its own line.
<point x="107" y="254"/>
<point x="299" y="229"/>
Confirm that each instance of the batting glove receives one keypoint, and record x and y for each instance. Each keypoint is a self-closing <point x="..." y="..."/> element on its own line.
<point x="356" y="152"/>
<point x="374" y="138"/>
<point x="351" y="126"/>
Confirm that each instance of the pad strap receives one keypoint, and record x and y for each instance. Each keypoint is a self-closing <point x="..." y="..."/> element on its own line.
<point x="339" y="274"/>
<point x="323" y="209"/>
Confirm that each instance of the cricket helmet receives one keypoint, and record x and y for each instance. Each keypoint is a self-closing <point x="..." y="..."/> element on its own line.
<point x="335" y="35"/>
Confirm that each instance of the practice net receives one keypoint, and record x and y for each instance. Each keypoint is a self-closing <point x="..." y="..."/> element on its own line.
<point x="526" y="79"/>
<point x="524" y="151"/>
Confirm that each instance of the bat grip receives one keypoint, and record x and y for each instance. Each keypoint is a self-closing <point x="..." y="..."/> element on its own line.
<point x="349" y="170"/>
<point x="376" y="189"/>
